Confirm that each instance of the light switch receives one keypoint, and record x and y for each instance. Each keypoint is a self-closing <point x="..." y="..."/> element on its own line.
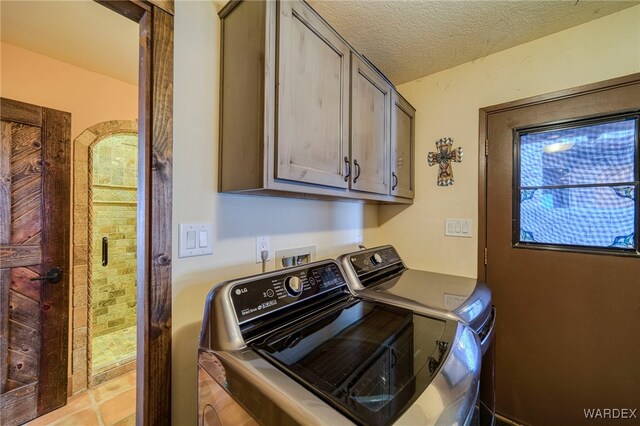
<point x="203" y="240"/>
<point x="450" y="228"/>
<point x="191" y="239"/>
<point x="195" y="239"/>
<point x="457" y="228"/>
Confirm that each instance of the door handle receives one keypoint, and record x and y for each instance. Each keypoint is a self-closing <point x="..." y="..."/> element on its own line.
<point x="105" y="251"/>
<point x="54" y="275"/>
<point x="348" y="164"/>
<point x="357" y="167"/>
<point x="395" y="180"/>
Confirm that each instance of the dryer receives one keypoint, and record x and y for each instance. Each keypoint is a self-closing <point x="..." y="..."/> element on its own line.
<point x="380" y="274"/>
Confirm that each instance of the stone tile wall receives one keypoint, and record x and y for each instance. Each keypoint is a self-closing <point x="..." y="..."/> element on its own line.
<point x="81" y="371"/>
<point x="113" y="287"/>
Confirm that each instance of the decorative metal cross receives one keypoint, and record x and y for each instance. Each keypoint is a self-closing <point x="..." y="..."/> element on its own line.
<point x="443" y="157"/>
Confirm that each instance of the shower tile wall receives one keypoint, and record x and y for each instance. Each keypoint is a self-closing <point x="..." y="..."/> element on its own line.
<point x="113" y="287"/>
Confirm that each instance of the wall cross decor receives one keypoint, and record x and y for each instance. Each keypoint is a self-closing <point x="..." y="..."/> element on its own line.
<point x="443" y="156"/>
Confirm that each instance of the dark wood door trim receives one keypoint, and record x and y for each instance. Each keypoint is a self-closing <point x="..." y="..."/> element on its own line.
<point x="155" y="171"/>
<point x="56" y="184"/>
<point x="483" y="148"/>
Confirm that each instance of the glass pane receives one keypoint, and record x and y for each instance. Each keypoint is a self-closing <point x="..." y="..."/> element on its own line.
<point x="389" y="351"/>
<point x="597" y="217"/>
<point x="598" y="153"/>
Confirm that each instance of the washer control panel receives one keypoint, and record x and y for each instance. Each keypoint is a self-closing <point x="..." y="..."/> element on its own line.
<point x="372" y="260"/>
<point x="262" y="296"/>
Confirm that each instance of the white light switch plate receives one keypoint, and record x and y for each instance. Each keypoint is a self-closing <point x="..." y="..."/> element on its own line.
<point x="201" y="241"/>
<point x="458" y="228"/>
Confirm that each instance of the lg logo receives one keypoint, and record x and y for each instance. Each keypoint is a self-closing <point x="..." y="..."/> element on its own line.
<point x="239" y="291"/>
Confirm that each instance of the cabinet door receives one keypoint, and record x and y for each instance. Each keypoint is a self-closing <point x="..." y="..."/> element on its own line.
<point x="313" y="99"/>
<point x="370" y="103"/>
<point x="402" y="147"/>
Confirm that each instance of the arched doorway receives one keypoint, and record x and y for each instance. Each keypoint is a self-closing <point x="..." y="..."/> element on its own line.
<point x="104" y="253"/>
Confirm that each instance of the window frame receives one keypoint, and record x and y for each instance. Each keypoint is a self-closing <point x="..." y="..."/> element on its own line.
<point x="516" y="188"/>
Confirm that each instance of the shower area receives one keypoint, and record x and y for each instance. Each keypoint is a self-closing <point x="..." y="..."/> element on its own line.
<point x="104" y="236"/>
<point x="113" y="180"/>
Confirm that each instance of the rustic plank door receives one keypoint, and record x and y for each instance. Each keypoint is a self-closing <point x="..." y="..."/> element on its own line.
<point x="34" y="239"/>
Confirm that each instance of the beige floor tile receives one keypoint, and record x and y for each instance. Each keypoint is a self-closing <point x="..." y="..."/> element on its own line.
<point x="74" y="404"/>
<point x="119" y="407"/>
<point x="113" y="387"/>
<point x="110" y="404"/>
<point x="85" y="417"/>
<point x="128" y="421"/>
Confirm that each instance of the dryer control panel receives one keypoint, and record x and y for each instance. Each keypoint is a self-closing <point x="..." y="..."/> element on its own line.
<point x="373" y="260"/>
<point x="271" y="292"/>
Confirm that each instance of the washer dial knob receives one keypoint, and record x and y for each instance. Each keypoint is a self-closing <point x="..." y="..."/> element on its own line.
<point x="293" y="285"/>
<point x="376" y="259"/>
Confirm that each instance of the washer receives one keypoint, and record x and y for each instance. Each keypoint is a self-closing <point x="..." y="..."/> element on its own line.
<point x="295" y="346"/>
<point x="379" y="274"/>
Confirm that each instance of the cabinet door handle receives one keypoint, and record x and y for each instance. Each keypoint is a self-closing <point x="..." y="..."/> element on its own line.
<point x="357" y="167"/>
<point x="348" y="164"/>
<point x="105" y="251"/>
<point x="395" y="180"/>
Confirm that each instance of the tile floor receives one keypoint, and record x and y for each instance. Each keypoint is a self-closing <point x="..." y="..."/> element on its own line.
<point x="113" y="349"/>
<point x="113" y="403"/>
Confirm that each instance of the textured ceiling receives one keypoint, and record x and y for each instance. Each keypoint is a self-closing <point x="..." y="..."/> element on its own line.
<point x="410" y="39"/>
<point x="405" y="39"/>
<point x="80" y="32"/>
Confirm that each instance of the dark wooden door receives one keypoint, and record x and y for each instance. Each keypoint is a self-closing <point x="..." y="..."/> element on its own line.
<point x="34" y="238"/>
<point x="567" y="334"/>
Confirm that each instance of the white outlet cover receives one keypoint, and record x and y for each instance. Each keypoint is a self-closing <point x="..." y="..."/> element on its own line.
<point x="184" y="229"/>
<point x="262" y="243"/>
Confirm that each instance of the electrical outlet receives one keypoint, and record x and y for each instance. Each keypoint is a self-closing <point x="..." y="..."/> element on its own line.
<point x="262" y="243"/>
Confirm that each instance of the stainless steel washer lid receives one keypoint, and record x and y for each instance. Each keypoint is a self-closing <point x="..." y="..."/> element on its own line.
<point x="380" y="274"/>
<point x="273" y="397"/>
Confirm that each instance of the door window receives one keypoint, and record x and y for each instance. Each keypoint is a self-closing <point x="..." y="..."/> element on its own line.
<point x="577" y="185"/>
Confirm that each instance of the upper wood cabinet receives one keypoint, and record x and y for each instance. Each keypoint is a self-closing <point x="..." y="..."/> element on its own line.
<point x="402" y="147"/>
<point x="370" y="105"/>
<point x="312" y="133"/>
<point x="301" y="113"/>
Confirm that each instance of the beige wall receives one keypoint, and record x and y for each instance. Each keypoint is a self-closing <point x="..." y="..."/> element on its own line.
<point x="90" y="97"/>
<point x="333" y="227"/>
<point x="447" y="104"/>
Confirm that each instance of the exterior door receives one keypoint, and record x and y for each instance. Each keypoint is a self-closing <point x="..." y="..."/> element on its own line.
<point x="34" y="239"/>
<point x="565" y="279"/>
<point x="313" y="99"/>
<point x="402" y="146"/>
<point x="370" y="103"/>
